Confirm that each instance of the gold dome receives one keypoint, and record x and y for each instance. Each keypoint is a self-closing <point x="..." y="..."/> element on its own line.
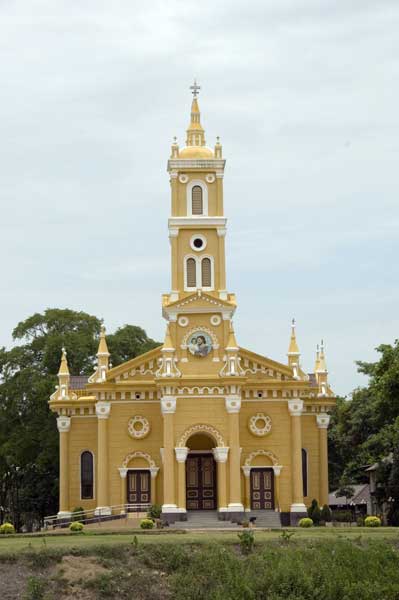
<point x="196" y="152"/>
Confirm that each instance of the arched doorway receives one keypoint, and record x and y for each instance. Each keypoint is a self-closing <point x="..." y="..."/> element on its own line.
<point x="201" y="485"/>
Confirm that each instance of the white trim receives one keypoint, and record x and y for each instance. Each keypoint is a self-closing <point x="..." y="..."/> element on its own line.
<point x="298" y="508"/>
<point x="197" y="220"/>
<point x="198" y="273"/>
<point x="80" y="475"/>
<point x="200" y="237"/>
<point x="189" y="189"/>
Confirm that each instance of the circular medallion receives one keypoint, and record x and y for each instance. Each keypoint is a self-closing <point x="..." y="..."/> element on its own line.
<point x="198" y="242"/>
<point x="199" y="344"/>
<point x="183" y="178"/>
<point x="138" y="427"/>
<point x="260" y="424"/>
<point x="215" y="320"/>
<point x="183" y="321"/>
<point x="210" y="178"/>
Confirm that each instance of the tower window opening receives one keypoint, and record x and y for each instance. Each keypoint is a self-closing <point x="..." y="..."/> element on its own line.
<point x="197" y="202"/>
<point x="198" y="243"/>
<point x="305" y="471"/>
<point x="206" y="272"/>
<point x="86" y="475"/>
<point x="191" y="273"/>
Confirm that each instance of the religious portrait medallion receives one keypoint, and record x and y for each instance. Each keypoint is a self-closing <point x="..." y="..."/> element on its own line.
<point x="200" y="344"/>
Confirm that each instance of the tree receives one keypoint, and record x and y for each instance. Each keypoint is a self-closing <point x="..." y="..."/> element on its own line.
<point x="28" y="431"/>
<point x="128" y="342"/>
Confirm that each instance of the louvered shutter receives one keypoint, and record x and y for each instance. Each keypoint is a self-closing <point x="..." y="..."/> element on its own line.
<point x="206" y="272"/>
<point x="196" y="196"/>
<point x="191" y="273"/>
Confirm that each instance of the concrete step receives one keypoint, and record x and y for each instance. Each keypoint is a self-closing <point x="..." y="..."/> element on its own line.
<point x="266" y="518"/>
<point x="203" y="520"/>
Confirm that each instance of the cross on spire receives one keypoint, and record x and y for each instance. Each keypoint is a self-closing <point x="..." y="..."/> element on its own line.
<point x="195" y="88"/>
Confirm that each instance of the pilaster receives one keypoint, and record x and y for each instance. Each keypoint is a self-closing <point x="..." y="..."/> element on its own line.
<point x="323" y="421"/>
<point x="233" y="405"/>
<point x="181" y="457"/>
<point x="168" y="409"/>
<point x="64" y="426"/>
<point x="103" y="410"/>
<point x="298" y="508"/>
<point x="220" y="455"/>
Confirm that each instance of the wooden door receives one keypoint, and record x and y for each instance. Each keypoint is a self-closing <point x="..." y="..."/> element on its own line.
<point x="201" y="482"/>
<point x="138" y="487"/>
<point x="262" y="489"/>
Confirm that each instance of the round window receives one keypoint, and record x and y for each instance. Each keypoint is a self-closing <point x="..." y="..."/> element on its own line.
<point x="198" y="242"/>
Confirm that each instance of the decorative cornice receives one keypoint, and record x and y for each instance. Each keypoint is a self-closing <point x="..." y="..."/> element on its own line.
<point x="233" y="404"/>
<point x="103" y="409"/>
<point x="323" y="420"/>
<point x="181" y="453"/>
<point x="63" y="424"/>
<point x="189" y="163"/>
<point x="168" y="405"/>
<point x="295" y="407"/>
<point x="220" y="454"/>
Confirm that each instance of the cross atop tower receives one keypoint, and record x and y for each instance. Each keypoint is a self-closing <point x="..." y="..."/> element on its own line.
<point x="195" y="88"/>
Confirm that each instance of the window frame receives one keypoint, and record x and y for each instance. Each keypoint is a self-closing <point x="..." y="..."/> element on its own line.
<point x="189" y="189"/>
<point x="80" y="474"/>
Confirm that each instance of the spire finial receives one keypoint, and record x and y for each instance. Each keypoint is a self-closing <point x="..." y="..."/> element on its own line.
<point x="102" y="346"/>
<point x="195" y="88"/>
<point x="64" y="370"/>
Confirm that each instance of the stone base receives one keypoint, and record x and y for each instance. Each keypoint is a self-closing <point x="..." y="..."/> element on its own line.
<point x="168" y="518"/>
<point x="102" y="511"/>
<point x="295" y="517"/>
<point x="285" y="518"/>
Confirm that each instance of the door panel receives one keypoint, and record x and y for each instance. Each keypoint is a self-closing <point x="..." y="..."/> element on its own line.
<point x="138" y="487"/>
<point x="262" y="489"/>
<point x="201" y="482"/>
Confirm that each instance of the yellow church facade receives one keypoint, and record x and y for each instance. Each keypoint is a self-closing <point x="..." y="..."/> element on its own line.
<point x="199" y="423"/>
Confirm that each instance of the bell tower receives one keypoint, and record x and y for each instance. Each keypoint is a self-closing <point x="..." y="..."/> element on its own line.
<point x="197" y="225"/>
<point x="198" y="308"/>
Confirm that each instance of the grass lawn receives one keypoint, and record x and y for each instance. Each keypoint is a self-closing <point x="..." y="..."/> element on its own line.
<point x="10" y="544"/>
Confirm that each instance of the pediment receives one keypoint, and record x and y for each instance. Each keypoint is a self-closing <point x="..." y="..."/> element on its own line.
<point x="256" y="366"/>
<point x="199" y="301"/>
<point x="141" y="367"/>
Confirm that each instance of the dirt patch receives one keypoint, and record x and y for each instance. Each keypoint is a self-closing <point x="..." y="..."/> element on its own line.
<point x="13" y="577"/>
<point x="76" y="569"/>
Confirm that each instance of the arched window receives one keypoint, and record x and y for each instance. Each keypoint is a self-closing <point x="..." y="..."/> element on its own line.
<point x="206" y="272"/>
<point x="86" y="475"/>
<point x="305" y="471"/>
<point x="191" y="273"/>
<point x="196" y="200"/>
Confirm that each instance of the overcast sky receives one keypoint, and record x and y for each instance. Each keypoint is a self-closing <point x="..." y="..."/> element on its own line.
<point x="305" y="97"/>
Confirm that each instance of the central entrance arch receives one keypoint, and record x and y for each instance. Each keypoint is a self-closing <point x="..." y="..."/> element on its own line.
<point x="201" y="484"/>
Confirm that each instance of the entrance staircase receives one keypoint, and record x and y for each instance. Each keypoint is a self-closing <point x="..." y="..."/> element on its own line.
<point x="266" y="519"/>
<point x="203" y="519"/>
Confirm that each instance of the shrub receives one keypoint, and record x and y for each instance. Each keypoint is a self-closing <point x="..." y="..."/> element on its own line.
<point x="247" y="540"/>
<point x="76" y="527"/>
<point x="155" y="511"/>
<point x="316" y="515"/>
<point x="312" y="507"/>
<point x="78" y="514"/>
<point x="343" y="516"/>
<point x="7" y="528"/>
<point x="305" y="522"/>
<point x="372" y="522"/>
<point x="35" y="588"/>
<point x="360" y="521"/>
<point x="326" y="514"/>
<point x="146" y="523"/>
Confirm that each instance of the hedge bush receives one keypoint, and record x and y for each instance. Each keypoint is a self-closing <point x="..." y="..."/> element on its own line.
<point x="146" y="523"/>
<point x="154" y="511"/>
<point x="372" y="522"/>
<point x="7" y="528"/>
<point x="78" y="514"/>
<point x="305" y="522"/>
<point x="76" y="527"/>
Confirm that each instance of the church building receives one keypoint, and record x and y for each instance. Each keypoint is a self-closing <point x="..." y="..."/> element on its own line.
<point x="199" y="423"/>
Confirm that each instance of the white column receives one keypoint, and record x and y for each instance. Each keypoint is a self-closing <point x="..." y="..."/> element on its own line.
<point x="181" y="457"/>
<point x="123" y="499"/>
<point x="64" y="425"/>
<point x="168" y="408"/>
<point x="233" y="405"/>
<point x="220" y="455"/>
<point x="103" y="410"/>
<point x="295" y="408"/>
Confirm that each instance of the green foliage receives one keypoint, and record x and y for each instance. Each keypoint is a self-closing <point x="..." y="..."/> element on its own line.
<point x="76" y="527"/>
<point x="305" y="522"/>
<point x="78" y="514"/>
<point x="287" y="535"/>
<point x="326" y="514"/>
<point x="35" y="589"/>
<point x="331" y="570"/>
<point x="247" y="541"/>
<point x="128" y="342"/>
<point x="372" y="522"/>
<point x="28" y="431"/>
<point x="7" y="528"/>
<point x="146" y="523"/>
<point x="365" y="429"/>
<point x="316" y="515"/>
<point x="154" y="511"/>
<point x="360" y="521"/>
<point x="311" y="508"/>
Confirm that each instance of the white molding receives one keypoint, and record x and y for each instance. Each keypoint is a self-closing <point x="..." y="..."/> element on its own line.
<point x="202" y="238"/>
<point x="196" y="163"/>
<point x="103" y="409"/>
<point x="298" y="508"/>
<point x="197" y="220"/>
<point x="233" y="403"/>
<point x="168" y="405"/>
<point x="64" y="424"/>
<point x="295" y="407"/>
<point x="198" y="272"/>
<point x="235" y="507"/>
<point x="181" y="454"/>
<point x="170" y="508"/>
<point x="123" y="472"/>
<point x="189" y="188"/>
<point x="323" y="420"/>
<point x="220" y="453"/>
